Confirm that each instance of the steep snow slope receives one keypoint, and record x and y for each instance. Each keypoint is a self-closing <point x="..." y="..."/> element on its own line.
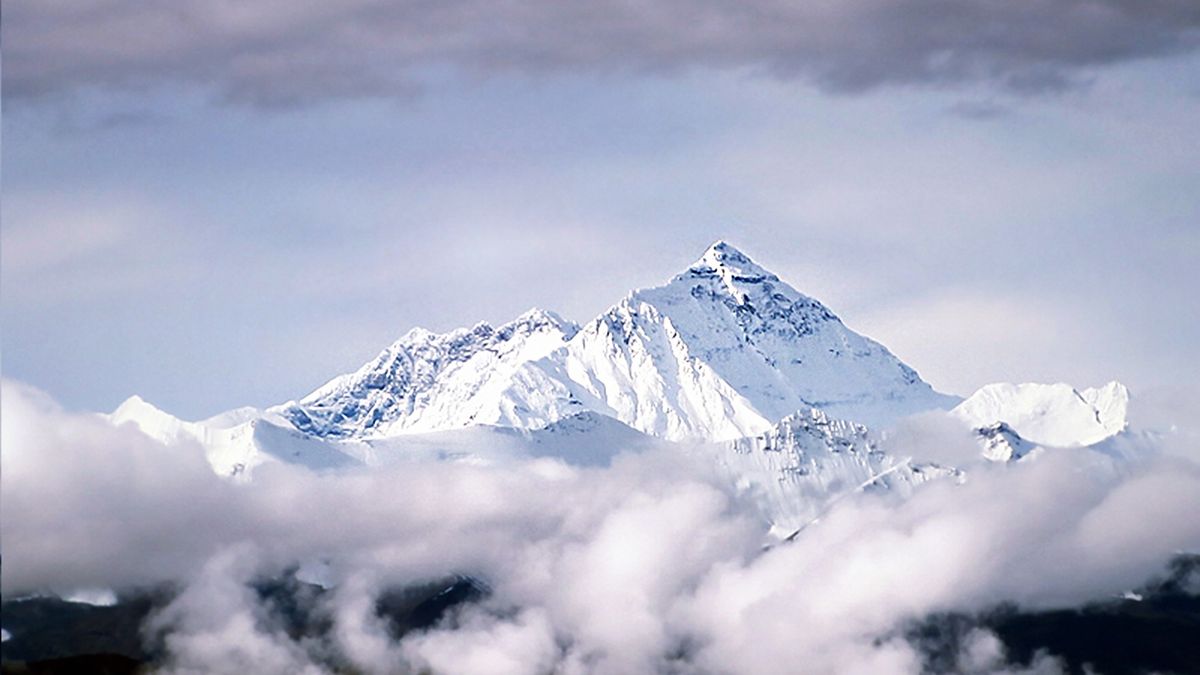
<point x="1050" y="414"/>
<point x="426" y="381"/>
<point x="799" y="467"/>
<point x="726" y="349"/>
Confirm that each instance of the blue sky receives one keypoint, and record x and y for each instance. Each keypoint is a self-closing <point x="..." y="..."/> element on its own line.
<point x="208" y="238"/>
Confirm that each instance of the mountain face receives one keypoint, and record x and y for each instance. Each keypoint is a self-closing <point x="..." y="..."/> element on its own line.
<point x="723" y="350"/>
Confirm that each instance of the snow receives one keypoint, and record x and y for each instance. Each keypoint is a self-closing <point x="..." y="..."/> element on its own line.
<point x="427" y="382"/>
<point x="1002" y="444"/>
<point x="585" y="439"/>
<point x="234" y="443"/>
<point x="723" y="350"/>
<point x="1050" y="414"/>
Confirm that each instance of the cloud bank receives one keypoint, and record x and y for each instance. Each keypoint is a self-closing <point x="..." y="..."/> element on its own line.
<point x="273" y="52"/>
<point x="651" y="565"/>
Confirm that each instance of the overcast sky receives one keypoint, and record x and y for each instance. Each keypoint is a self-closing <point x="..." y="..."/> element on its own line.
<point x="222" y="204"/>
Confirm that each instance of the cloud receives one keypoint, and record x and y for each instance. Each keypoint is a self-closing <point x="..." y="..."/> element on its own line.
<point x="273" y="52"/>
<point x="483" y="646"/>
<point x="80" y="498"/>
<point x="651" y="565"/>
<point x="216" y="625"/>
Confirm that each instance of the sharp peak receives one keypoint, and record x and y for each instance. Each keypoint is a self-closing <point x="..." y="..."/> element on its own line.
<point x="725" y="258"/>
<point x="536" y="318"/>
<point x="537" y="314"/>
<point x="135" y="404"/>
<point x="136" y="401"/>
<point x="722" y="245"/>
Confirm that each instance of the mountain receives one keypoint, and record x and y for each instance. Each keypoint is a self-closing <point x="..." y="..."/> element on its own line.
<point x="234" y="442"/>
<point x="426" y="382"/>
<point x="725" y="362"/>
<point x="1050" y="414"/>
<point x="799" y="467"/>
<point x="723" y="350"/>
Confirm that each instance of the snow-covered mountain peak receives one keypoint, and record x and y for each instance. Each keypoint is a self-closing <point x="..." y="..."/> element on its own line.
<point x="1050" y="414"/>
<point x="535" y="320"/>
<point x="427" y="381"/>
<point x="135" y="407"/>
<point x="777" y="349"/>
<point x="150" y="419"/>
<point x="727" y="274"/>
<point x="725" y="260"/>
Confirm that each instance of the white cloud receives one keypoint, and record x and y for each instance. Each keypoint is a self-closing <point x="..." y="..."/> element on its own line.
<point x="645" y="566"/>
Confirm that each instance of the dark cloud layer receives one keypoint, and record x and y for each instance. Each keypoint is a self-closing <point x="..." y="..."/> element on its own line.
<point x="277" y="52"/>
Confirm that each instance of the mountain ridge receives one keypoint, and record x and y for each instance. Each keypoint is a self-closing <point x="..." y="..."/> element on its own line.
<point x="1050" y="414"/>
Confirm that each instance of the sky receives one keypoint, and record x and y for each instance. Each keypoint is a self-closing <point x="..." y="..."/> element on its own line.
<point x="224" y="204"/>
